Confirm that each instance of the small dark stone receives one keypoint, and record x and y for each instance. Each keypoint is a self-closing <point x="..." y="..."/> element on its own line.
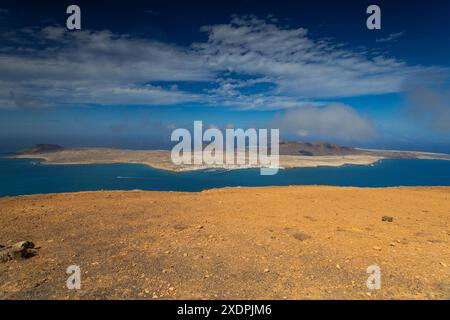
<point x="387" y="218"/>
<point x="301" y="236"/>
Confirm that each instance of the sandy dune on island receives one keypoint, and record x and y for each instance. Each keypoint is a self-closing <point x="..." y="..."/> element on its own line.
<point x="245" y="243"/>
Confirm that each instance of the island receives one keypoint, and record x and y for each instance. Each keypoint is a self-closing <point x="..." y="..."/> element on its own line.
<point x="292" y="155"/>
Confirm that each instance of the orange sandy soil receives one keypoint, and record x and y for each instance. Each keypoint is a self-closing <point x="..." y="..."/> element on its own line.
<point x="243" y="243"/>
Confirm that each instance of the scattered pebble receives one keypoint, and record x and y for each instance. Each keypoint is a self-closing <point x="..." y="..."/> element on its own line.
<point x="443" y="264"/>
<point x="266" y="270"/>
<point x="377" y="248"/>
<point x="387" y="218"/>
<point x="301" y="236"/>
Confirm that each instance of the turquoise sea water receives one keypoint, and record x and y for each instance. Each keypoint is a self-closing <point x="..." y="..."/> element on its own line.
<point x="29" y="176"/>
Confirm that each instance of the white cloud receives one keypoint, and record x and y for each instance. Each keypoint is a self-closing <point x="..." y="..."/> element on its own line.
<point x="334" y="121"/>
<point x="299" y="65"/>
<point x="250" y="63"/>
<point x="391" y="38"/>
<point x="97" y="67"/>
<point x="430" y="106"/>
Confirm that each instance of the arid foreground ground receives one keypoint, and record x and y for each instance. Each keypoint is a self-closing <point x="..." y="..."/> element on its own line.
<point x="245" y="243"/>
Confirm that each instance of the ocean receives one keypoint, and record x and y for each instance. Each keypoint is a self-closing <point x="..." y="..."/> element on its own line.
<point x="29" y="176"/>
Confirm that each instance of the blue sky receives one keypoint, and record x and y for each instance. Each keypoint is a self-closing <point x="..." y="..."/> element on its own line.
<point x="138" y="69"/>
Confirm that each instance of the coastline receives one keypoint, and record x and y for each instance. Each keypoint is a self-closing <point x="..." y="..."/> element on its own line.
<point x="298" y="242"/>
<point x="160" y="159"/>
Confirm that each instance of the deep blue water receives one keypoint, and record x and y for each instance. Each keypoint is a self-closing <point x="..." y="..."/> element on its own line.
<point x="28" y="176"/>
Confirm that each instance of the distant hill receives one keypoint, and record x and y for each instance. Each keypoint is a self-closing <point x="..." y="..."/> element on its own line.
<point x="43" y="148"/>
<point x="298" y="148"/>
<point x="315" y="149"/>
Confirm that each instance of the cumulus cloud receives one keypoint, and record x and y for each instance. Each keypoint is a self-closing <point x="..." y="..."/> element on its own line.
<point x="430" y="106"/>
<point x="336" y="121"/>
<point x="248" y="63"/>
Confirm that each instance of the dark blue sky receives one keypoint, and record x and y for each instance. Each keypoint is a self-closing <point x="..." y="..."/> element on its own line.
<point x="138" y="69"/>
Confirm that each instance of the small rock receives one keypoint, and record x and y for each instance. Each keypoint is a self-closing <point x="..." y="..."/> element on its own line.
<point x="171" y="289"/>
<point x="266" y="270"/>
<point x="392" y="244"/>
<point x="301" y="236"/>
<point x="377" y="248"/>
<point x="443" y="264"/>
<point x="338" y="266"/>
<point x="387" y="218"/>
